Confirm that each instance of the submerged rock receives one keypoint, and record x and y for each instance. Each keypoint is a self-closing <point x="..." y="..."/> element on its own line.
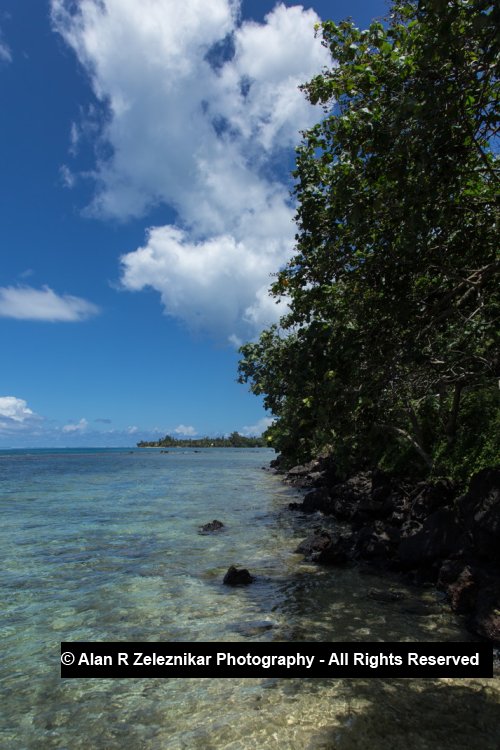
<point x="386" y="596"/>
<point x="250" y="629"/>
<point x="237" y="577"/>
<point x="214" y="525"/>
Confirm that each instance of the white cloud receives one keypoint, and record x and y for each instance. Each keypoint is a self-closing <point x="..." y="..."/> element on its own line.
<point x="257" y="429"/>
<point x="80" y="426"/>
<point x="203" y="139"/>
<point x="132" y="430"/>
<point x="5" y="53"/>
<point x="68" y="178"/>
<point x="183" y="429"/>
<point x="16" y="417"/>
<point x="27" y="303"/>
<point x="15" y="409"/>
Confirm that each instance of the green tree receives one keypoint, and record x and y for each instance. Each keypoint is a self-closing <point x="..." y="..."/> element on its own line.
<point x="393" y="288"/>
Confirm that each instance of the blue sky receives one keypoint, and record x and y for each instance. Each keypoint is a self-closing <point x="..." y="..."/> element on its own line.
<point x="144" y="204"/>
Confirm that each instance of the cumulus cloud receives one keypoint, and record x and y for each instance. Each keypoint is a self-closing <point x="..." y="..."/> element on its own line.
<point x="15" y="409"/>
<point x="16" y="416"/>
<point x="187" y="430"/>
<point x="80" y="426"/>
<point x="201" y="114"/>
<point x="27" y="303"/>
<point x="257" y="429"/>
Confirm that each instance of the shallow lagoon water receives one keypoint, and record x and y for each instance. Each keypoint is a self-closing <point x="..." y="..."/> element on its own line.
<point x="103" y="545"/>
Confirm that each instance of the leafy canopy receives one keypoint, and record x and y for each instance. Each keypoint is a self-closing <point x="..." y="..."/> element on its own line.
<point x="393" y="294"/>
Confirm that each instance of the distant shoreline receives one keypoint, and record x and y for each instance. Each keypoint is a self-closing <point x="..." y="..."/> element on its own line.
<point x="234" y="440"/>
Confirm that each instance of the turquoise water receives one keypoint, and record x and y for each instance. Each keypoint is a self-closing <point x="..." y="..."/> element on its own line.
<point x="103" y="545"/>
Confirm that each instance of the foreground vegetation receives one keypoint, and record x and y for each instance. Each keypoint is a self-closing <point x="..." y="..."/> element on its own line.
<point x="234" y="440"/>
<point x="389" y="352"/>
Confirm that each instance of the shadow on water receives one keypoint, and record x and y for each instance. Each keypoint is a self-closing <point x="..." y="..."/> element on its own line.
<point x="346" y="605"/>
<point x="415" y="715"/>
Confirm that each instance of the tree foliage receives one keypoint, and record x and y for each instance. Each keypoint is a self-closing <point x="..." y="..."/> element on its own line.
<point x="393" y="288"/>
<point x="234" y="440"/>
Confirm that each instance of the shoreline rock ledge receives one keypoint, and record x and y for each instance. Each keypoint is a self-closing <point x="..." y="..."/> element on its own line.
<point x="427" y="531"/>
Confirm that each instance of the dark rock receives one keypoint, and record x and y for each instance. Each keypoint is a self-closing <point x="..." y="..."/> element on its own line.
<point x="420" y="609"/>
<point x="249" y="629"/>
<point x="316" y="478"/>
<point x="462" y="593"/>
<point x="302" y="469"/>
<point x="486" y="619"/>
<point x="295" y="506"/>
<point x="364" y="497"/>
<point x="480" y="511"/>
<point x="214" y="525"/>
<point x="430" y="497"/>
<point x="314" y="543"/>
<point x="424" y="576"/>
<point x="410" y="527"/>
<point x="449" y="571"/>
<point x="386" y="596"/>
<point x="317" y="500"/>
<point x="377" y="542"/>
<point x="320" y="472"/>
<point x="237" y="577"/>
<point x="338" y="552"/>
<point x="381" y="485"/>
<point x="440" y="536"/>
<point x="323" y="548"/>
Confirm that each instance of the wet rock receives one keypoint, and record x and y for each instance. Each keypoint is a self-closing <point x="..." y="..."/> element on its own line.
<point x="486" y="619"/>
<point x="338" y="552"/>
<point x="463" y="592"/>
<point x="249" y="629"/>
<point x="425" y="576"/>
<point x="317" y="500"/>
<point x="449" y="571"/>
<point x="237" y="577"/>
<point x="326" y="549"/>
<point x="316" y="542"/>
<point x="209" y="528"/>
<point x="386" y="596"/>
<point x="294" y="506"/>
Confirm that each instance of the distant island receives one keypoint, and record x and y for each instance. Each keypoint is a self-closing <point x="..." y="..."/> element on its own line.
<point x="234" y="440"/>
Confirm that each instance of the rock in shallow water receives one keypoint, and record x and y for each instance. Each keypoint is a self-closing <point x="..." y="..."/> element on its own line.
<point x="237" y="577"/>
<point x="214" y="525"/>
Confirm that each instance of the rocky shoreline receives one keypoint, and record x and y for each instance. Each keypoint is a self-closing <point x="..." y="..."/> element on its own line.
<point x="428" y="532"/>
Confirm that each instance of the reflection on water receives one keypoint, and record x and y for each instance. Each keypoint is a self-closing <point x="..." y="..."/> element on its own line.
<point x="105" y="547"/>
